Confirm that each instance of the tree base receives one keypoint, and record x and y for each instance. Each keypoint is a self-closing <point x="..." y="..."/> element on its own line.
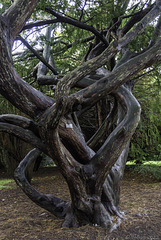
<point x="96" y="216"/>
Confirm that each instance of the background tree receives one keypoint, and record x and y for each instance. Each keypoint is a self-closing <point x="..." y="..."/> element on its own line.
<point x="93" y="169"/>
<point x="145" y="143"/>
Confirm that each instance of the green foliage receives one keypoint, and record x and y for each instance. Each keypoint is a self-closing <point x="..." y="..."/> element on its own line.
<point x="146" y="142"/>
<point x="4" y="4"/>
<point x="142" y="41"/>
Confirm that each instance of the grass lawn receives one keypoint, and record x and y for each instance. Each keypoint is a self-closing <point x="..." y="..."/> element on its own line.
<point x="4" y="183"/>
<point x="150" y="168"/>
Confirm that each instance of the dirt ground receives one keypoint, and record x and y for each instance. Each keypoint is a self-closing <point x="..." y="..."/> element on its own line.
<point x="22" y="219"/>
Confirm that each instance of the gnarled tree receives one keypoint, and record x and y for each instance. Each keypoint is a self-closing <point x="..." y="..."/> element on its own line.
<point x="93" y="169"/>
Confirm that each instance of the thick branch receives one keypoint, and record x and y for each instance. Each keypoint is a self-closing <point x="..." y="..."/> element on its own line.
<point x="24" y="134"/>
<point x="12" y="87"/>
<point x="108" y="53"/>
<point x="62" y="156"/>
<point x="74" y="141"/>
<point x="21" y="94"/>
<point x="149" y="17"/>
<point x="53" y="80"/>
<point x="52" y="204"/>
<point x="157" y="33"/>
<point x="135" y="19"/>
<point x="18" y="13"/>
<point x="20" y="121"/>
<point x="47" y="80"/>
<point x="51" y="117"/>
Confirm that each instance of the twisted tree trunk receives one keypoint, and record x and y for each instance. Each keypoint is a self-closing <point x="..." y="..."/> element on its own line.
<point x="92" y="170"/>
<point x="93" y="179"/>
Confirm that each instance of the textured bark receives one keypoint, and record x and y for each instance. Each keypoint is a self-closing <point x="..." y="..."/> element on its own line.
<point x="18" y="14"/>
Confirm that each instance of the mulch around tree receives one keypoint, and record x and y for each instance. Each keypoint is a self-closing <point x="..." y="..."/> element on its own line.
<point x="20" y="218"/>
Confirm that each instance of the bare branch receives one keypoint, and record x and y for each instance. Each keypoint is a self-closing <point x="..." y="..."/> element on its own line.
<point x="47" y="80"/>
<point x="78" y="24"/>
<point x="39" y="24"/>
<point x="67" y="46"/>
<point x="51" y="203"/>
<point x="36" y="54"/>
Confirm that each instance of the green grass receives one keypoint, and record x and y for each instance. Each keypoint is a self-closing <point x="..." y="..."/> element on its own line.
<point x="157" y="163"/>
<point x="149" y="168"/>
<point x="4" y="183"/>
